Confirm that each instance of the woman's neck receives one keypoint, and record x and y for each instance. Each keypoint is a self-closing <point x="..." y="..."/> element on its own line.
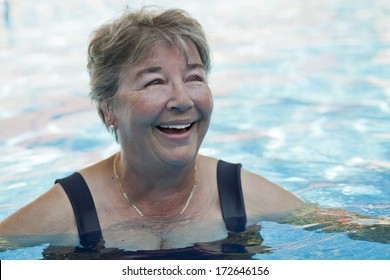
<point x="156" y="191"/>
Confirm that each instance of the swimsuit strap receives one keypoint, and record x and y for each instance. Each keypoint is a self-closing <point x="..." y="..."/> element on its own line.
<point x="230" y="195"/>
<point x="84" y="209"/>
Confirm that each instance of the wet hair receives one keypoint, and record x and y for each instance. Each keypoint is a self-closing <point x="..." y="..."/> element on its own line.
<point x="114" y="47"/>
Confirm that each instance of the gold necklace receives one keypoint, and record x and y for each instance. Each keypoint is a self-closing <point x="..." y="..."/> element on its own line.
<point x="139" y="212"/>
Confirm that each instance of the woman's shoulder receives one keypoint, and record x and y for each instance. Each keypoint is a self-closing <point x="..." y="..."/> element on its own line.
<point x="261" y="196"/>
<point x="50" y="213"/>
<point x="266" y="199"/>
<point x="45" y="218"/>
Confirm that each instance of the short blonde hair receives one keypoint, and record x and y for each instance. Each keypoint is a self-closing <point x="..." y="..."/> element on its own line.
<point x="115" y="46"/>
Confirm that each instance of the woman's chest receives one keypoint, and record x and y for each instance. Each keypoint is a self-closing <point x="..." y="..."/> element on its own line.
<point x="151" y="236"/>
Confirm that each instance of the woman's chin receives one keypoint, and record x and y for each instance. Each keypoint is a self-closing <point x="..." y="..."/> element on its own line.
<point x="180" y="158"/>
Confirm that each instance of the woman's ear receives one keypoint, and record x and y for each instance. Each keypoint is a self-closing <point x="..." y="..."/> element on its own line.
<point x="109" y="117"/>
<point x="110" y="121"/>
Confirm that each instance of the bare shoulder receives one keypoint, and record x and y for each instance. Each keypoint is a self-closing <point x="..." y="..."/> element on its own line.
<point x="264" y="198"/>
<point x="50" y="213"/>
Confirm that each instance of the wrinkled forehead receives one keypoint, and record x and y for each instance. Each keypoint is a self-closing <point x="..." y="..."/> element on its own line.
<point x="187" y="50"/>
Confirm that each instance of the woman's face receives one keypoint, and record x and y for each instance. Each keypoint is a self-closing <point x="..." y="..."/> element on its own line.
<point x="163" y="106"/>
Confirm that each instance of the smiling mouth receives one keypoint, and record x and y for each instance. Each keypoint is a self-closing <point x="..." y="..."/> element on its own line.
<point x="175" y="128"/>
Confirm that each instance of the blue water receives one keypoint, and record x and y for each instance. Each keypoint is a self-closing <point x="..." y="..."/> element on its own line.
<point x="301" y="93"/>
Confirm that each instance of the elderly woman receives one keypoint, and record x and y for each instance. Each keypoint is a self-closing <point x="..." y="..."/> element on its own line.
<point x="148" y="76"/>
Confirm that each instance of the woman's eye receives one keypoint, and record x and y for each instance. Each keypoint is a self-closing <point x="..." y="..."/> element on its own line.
<point x="195" y="79"/>
<point x="154" y="83"/>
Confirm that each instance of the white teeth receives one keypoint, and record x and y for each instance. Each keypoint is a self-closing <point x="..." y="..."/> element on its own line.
<point x="178" y="126"/>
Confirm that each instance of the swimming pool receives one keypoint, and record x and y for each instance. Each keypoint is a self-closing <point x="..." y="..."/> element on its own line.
<point x="301" y="97"/>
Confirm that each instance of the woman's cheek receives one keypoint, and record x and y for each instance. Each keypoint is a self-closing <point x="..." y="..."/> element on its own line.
<point x="207" y="101"/>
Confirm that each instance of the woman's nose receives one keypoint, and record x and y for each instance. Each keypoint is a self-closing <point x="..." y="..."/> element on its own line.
<point x="180" y="98"/>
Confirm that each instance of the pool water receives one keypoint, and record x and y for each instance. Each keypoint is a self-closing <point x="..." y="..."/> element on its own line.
<point x="301" y="93"/>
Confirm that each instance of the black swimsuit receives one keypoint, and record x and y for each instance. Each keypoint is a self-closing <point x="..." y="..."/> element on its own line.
<point x="230" y="196"/>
